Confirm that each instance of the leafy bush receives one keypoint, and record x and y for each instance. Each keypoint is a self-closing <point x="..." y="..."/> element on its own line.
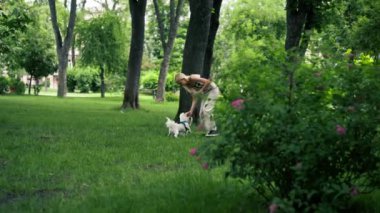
<point x="310" y="153"/>
<point x="95" y="83"/>
<point x="71" y="81"/>
<point x="171" y="97"/>
<point x="87" y="79"/>
<point x="149" y="80"/>
<point x="115" y="83"/>
<point x="17" y="86"/>
<point x="4" y="85"/>
<point x="171" y="85"/>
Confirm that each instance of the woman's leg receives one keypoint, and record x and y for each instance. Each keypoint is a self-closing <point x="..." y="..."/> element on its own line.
<point x="207" y="108"/>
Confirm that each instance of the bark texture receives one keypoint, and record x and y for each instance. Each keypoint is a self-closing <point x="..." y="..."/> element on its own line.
<point x="195" y="46"/>
<point x="299" y="23"/>
<point x="175" y="13"/>
<point x="63" y="46"/>
<point x="131" y="91"/>
<point x="214" y="25"/>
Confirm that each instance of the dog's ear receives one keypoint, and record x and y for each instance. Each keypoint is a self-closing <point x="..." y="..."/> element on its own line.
<point x="168" y="119"/>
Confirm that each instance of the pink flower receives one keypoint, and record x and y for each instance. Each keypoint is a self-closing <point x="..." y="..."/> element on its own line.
<point x="340" y="130"/>
<point x="354" y="191"/>
<point x="193" y="151"/>
<point x="273" y="208"/>
<point x="238" y="104"/>
<point x="205" y="166"/>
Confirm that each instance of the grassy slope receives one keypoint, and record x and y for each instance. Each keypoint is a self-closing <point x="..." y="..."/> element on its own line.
<point x="84" y="155"/>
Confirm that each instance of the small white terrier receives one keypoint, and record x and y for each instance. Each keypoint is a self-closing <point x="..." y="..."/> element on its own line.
<point x="182" y="127"/>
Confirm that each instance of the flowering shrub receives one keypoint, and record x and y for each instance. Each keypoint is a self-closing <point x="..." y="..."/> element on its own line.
<point x="307" y="149"/>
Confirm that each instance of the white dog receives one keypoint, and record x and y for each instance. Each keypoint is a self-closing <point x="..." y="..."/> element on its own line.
<point x="182" y="127"/>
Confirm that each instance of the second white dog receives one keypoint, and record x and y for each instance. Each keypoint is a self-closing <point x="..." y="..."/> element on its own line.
<point x="177" y="128"/>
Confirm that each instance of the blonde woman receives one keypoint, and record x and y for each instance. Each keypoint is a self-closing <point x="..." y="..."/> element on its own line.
<point x="208" y="92"/>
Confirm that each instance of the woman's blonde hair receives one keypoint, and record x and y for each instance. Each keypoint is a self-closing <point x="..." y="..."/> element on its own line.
<point x="179" y="77"/>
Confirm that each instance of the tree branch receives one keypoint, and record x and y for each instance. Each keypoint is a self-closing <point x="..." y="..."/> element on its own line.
<point x="70" y="27"/>
<point x="160" y="24"/>
<point x="53" y="15"/>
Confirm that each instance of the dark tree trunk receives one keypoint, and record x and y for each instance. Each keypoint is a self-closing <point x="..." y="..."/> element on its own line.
<point x="62" y="47"/>
<point x="30" y="85"/>
<point x="102" y="84"/>
<point x="167" y="47"/>
<point x="160" y="22"/>
<point x="214" y="25"/>
<point x="195" y="46"/>
<point x="73" y="59"/>
<point x="131" y="91"/>
<point x="296" y="14"/>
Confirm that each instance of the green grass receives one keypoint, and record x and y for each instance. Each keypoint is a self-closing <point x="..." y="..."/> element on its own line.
<point x="84" y="155"/>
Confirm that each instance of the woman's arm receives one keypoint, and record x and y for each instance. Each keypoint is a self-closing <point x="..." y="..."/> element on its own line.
<point x="205" y="82"/>
<point x="193" y="104"/>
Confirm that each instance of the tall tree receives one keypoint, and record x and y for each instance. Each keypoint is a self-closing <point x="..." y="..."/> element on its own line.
<point x="14" y="19"/>
<point x="100" y="41"/>
<point x="167" y="44"/>
<point x="302" y="16"/>
<point x="214" y="25"/>
<point x="37" y="56"/>
<point x="62" y="46"/>
<point x="131" y="91"/>
<point x="195" y="46"/>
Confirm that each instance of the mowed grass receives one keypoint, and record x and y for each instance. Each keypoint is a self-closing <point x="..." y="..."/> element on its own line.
<point x="85" y="155"/>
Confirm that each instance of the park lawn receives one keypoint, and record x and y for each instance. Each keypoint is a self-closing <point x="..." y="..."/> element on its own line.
<point x="85" y="155"/>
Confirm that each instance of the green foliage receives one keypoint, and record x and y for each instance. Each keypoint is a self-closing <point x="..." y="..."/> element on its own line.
<point x="37" y="55"/>
<point x="115" y="83"/>
<point x="171" y="85"/>
<point x="85" y="79"/>
<point x="248" y="22"/>
<point x="16" y="86"/>
<point x="11" y="85"/>
<point x="366" y="28"/>
<point x="171" y="97"/>
<point x="101" y="41"/>
<point x="71" y="81"/>
<point x="4" y="85"/>
<point x="312" y="152"/>
<point x="152" y="39"/>
<point x="14" y="18"/>
<point x="149" y="80"/>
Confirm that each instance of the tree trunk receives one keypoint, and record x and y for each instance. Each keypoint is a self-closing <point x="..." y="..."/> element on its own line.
<point x="30" y="85"/>
<point x="102" y="84"/>
<point x="160" y="22"/>
<point x="131" y="91"/>
<point x="73" y="59"/>
<point x="214" y="25"/>
<point x="195" y="46"/>
<point x="62" y="47"/>
<point x="168" y="47"/>
<point x="36" y="86"/>
<point x="62" y="72"/>
<point x="295" y="22"/>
